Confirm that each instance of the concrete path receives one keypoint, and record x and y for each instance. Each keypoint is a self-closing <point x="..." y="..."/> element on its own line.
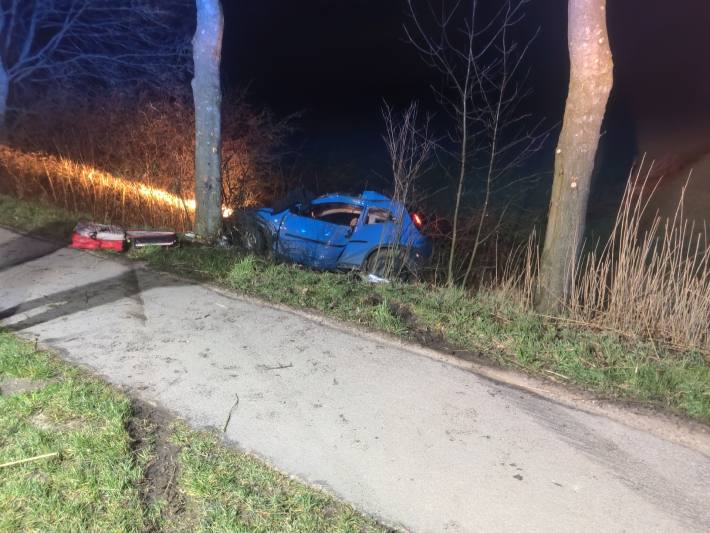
<point x="417" y="442"/>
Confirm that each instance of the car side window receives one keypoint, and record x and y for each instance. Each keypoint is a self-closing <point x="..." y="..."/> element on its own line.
<point x="335" y="213"/>
<point x="378" y="215"/>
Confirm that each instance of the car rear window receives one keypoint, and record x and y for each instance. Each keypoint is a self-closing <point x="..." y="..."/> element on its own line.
<point x="335" y="213"/>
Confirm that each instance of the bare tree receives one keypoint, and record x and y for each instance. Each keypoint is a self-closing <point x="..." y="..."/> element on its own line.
<point x="91" y="41"/>
<point x="483" y="86"/>
<point x="207" y="93"/>
<point x="410" y="146"/>
<point x="591" y="78"/>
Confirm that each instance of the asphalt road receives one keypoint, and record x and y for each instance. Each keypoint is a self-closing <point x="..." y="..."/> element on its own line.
<point x="416" y="441"/>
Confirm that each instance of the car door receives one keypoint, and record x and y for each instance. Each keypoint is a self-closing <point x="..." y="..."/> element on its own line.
<point x="295" y="238"/>
<point x="329" y="246"/>
<point x="317" y="236"/>
<point x="376" y="229"/>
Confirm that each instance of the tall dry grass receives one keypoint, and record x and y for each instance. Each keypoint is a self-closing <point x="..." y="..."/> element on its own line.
<point x="86" y="189"/>
<point x="650" y="279"/>
<point x="130" y="158"/>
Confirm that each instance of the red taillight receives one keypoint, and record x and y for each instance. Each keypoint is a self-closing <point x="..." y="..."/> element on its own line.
<point x="417" y="219"/>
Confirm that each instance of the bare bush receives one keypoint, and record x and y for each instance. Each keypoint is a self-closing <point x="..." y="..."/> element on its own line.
<point x="149" y="140"/>
<point x="410" y="146"/>
<point x="483" y="85"/>
<point x="103" y="43"/>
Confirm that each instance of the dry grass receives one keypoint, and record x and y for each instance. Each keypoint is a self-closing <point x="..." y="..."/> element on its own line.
<point x="83" y="188"/>
<point x="651" y="279"/>
<point x="130" y="158"/>
<point x="505" y="240"/>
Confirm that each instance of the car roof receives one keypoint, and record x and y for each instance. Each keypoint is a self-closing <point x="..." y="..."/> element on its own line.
<point x="364" y="199"/>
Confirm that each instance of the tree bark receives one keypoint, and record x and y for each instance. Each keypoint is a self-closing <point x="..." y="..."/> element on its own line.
<point x="4" y="94"/>
<point x="591" y="77"/>
<point x="459" y="188"/>
<point x="207" y="94"/>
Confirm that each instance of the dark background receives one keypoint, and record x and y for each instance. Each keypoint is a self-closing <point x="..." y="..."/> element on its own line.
<point x="338" y="60"/>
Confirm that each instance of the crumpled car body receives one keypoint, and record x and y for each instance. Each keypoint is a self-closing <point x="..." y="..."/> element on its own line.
<point x="342" y="232"/>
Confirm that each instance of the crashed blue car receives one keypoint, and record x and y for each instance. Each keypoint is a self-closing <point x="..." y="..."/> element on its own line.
<point x="369" y="232"/>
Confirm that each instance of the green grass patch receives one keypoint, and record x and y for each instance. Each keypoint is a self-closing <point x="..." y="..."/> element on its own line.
<point x="94" y="484"/>
<point x="602" y="362"/>
<point x="230" y="491"/>
<point x="36" y="217"/>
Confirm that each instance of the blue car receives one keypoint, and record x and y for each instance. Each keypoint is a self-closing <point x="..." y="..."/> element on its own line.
<point x="370" y="232"/>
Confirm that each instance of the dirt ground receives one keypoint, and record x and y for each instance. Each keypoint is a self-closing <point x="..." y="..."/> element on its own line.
<point x="150" y="432"/>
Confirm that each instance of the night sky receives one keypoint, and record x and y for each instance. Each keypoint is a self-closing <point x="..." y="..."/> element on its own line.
<point x="337" y="60"/>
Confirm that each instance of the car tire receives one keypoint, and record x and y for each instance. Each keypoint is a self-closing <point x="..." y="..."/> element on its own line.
<point x="251" y="236"/>
<point x="390" y="264"/>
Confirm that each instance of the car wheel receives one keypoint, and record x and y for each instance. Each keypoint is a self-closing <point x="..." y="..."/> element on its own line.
<point x="390" y="264"/>
<point x="251" y="237"/>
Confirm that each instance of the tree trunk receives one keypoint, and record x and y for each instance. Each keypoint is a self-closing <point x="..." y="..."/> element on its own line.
<point x="459" y="190"/>
<point x="590" y="83"/>
<point x="4" y="93"/>
<point x="207" y="94"/>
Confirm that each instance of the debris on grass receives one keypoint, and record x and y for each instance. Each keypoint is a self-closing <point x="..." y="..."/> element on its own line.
<point x="372" y="278"/>
<point x="30" y="459"/>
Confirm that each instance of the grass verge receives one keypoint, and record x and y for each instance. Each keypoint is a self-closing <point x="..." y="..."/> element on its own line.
<point x="92" y="484"/>
<point x="100" y="479"/>
<point x="603" y="362"/>
<point x="36" y="217"/>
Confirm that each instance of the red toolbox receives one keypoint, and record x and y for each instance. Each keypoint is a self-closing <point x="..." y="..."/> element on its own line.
<point x="93" y="236"/>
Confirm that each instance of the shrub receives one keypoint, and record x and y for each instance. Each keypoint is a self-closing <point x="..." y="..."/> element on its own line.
<point x="90" y="154"/>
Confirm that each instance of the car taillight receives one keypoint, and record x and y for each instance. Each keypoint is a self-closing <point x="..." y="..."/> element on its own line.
<point x="417" y="219"/>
